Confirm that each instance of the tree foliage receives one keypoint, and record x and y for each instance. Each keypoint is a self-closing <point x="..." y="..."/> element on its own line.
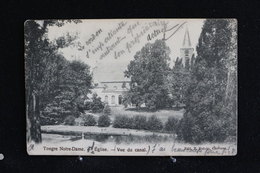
<point x="107" y="110"/>
<point x="148" y="72"/>
<point x="69" y="120"/>
<point x="88" y="120"/>
<point x="44" y="72"/>
<point x="121" y="121"/>
<point x="104" y="121"/>
<point x="96" y="105"/>
<point x="154" y="123"/>
<point x="210" y="116"/>
<point x="171" y="125"/>
<point x="139" y="122"/>
<point x="178" y="82"/>
<point x="68" y="92"/>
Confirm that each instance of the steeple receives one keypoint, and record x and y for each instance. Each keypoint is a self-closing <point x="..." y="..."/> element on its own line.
<point x="186" y="51"/>
<point x="186" y="41"/>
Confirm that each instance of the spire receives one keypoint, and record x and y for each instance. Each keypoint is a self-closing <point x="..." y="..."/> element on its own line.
<point x="186" y="41"/>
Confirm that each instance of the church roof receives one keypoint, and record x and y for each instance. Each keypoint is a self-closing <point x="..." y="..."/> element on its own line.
<point x="110" y="72"/>
<point x="186" y="41"/>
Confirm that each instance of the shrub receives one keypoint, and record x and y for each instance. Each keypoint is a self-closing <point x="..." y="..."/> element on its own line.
<point x="69" y="120"/>
<point x="154" y="124"/>
<point x="50" y="121"/>
<point x="129" y="123"/>
<point x="88" y="120"/>
<point x="139" y="122"/>
<point x="121" y="121"/>
<point x="171" y="124"/>
<point x="125" y="104"/>
<point x="103" y="121"/>
<point x="96" y="105"/>
<point x="107" y="110"/>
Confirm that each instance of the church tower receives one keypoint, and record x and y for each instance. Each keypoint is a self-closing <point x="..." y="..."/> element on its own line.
<point x="186" y="50"/>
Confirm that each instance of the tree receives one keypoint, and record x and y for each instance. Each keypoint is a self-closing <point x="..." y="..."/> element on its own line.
<point x="178" y="63"/>
<point x="148" y="73"/>
<point x="38" y="55"/>
<point x="123" y="85"/>
<point x="192" y="62"/>
<point x="96" y="105"/>
<point x="68" y="93"/>
<point x="187" y="64"/>
<point x="171" y="124"/>
<point x="107" y="110"/>
<point x="208" y="116"/>
<point x="77" y="83"/>
<point x="80" y="103"/>
<point x="178" y="82"/>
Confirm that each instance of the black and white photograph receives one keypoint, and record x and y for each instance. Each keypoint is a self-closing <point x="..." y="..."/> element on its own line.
<point x="131" y="87"/>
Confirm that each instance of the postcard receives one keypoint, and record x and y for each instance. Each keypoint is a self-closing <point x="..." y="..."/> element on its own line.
<point x="131" y="87"/>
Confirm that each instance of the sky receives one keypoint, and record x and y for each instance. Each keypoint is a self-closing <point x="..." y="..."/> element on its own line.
<point x="115" y="42"/>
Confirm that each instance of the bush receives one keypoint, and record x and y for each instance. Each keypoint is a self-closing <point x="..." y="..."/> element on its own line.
<point x="69" y="120"/>
<point x="171" y="125"/>
<point x="154" y="124"/>
<point x="103" y="121"/>
<point x="107" y="110"/>
<point x="136" y="122"/>
<point x="129" y="123"/>
<point x="121" y="121"/>
<point x="139" y="122"/>
<point x="88" y="120"/>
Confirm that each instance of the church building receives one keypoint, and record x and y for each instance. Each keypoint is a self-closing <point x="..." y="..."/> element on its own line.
<point x="186" y="51"/>
<point x="111" y="83"/>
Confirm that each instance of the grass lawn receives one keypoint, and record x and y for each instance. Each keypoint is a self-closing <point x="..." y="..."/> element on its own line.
<point x="162" y="114"/>
<point x="95" y="130"/>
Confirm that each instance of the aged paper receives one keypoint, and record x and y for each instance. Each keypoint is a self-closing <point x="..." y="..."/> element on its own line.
<point x="131" y="87"/>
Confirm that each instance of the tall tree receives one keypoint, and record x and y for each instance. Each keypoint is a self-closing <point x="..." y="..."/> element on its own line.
<point x="207" y="117"/>
<point x="192" y="61"/>
<point x="179" y="80"/>
<point x="69" y="92"/>
<point x="148" y="73"/>
<point x="38" y="51"/>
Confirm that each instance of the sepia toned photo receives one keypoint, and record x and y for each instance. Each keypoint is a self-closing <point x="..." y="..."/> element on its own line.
<point x="131" y="87"/>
